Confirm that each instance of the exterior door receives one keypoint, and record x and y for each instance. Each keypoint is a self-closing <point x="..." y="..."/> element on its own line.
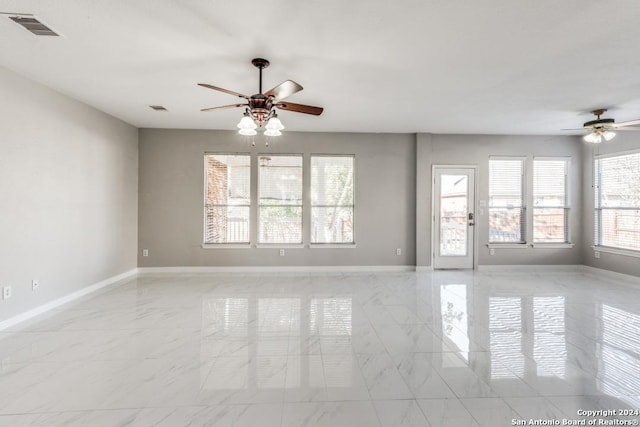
<point x="454" y="217"/>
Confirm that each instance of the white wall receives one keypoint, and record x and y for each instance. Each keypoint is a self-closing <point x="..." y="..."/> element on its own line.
<point x="172" y="197"/>
<point x="624" y="141"/>
<point x="68" y="194"/>
<point x="476" y="150"/>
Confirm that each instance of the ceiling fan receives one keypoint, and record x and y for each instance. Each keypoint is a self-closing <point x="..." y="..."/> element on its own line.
<point x="260" y="108"/>
<point x="603" y="129"/>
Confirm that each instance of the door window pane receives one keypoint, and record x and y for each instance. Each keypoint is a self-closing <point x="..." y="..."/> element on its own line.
<point x="453" y="214"/>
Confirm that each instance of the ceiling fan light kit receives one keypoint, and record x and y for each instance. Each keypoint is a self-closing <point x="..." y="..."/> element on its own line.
<point x="260" y="108"/>
<point x="603" y="129"/>
<point x="597" y="136"/>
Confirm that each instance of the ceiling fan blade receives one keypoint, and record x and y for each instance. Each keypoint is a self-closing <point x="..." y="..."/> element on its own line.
<point x="615" y="129"/>
<point x="625" y="124"/>
<point x="224" y="107"/>
<point x="300" y="108"/>
<point x="283" y="90"/>
<point x="230" y="92"/>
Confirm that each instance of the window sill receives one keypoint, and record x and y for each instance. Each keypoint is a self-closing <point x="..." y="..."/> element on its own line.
<point x="616" y="251"/>
<point x="279" y="246"/>
<point x="507" y="246"/>
<point x="332" y="245"/>
<point x="226" y="246"/>
<point x="553" y="245"/>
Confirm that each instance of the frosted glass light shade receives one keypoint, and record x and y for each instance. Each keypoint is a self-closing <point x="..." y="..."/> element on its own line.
<point x="247" y="132"/>
<point x="247" y="123"/>
<point x="594" y="138"/>
<point x="608" y="135"/>
<point x="274" y="124"/>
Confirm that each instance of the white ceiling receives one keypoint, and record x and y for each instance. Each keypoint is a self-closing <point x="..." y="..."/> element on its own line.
<point x="440" y="66"/>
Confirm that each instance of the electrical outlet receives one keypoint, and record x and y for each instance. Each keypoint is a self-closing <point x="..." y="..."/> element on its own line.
<point x="6" y="292"/>
<point x="596" y="254"/>
<point x="35" y="284"/>
<point x="281" y="252"/>
<point x="145" y="252"/>
<point x="398" y="251"/>
<point x="492" y="251"/>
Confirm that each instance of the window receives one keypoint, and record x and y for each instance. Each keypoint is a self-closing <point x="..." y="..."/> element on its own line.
<point x="227" y="198"/>
<point x="239" y="209"/>
<point x="332" y="199"/>
<point x="280" y="199"/>
<point x="550" y="201"/>
<point x="617" y="201"/>
<point x="506" y="201"/>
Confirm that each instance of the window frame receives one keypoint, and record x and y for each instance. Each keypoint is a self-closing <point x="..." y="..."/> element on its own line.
<point x="598" y="209"/>
<point x="205" y="187"/>
<point x="523" y="201"/>
<point x="566" y="207"/>
<point x="300" y="244"/>
<point x="353" y="205"/>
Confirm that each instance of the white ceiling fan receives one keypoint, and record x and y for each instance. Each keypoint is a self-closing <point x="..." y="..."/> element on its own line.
<point x="604" y="129"/>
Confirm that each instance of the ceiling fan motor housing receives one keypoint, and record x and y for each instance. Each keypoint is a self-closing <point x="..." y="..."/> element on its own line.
<point x="599" y="123"/>
<point x="260" y="108"/>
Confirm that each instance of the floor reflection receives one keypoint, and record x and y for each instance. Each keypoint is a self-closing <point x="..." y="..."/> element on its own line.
<point x="549" y="345"/>
<point x="619" y="367"/>
<point x="488" y="346"/>
<point x="505" y="336"/>
<point x="453" y="308"/>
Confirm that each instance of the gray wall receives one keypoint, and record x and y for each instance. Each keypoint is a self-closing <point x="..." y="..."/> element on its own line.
<point x="172" y="187"/>
<point x="624" y="141"/>
<point x="475" y="150"/>
<point x="68" y="194"/>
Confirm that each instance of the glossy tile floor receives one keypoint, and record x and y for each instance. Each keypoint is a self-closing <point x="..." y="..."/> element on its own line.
<point x="391" y="349"/>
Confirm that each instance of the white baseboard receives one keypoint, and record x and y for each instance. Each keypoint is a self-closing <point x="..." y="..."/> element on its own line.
<point x="624" y="278"/>
<point x="614" y="275"/>
<point x="528" y="268"/>
<point x="280" y="269"/>
<point x="12" y="321"/>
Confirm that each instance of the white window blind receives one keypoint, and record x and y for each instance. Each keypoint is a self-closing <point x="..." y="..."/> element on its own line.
<point x="550" y="201"/>
<point x="280" y="199"/>
<point x="506" y="201"/>
<point x="227" y="198"/>
<point x="332" y="201"/>
<point x="617" y="201"/>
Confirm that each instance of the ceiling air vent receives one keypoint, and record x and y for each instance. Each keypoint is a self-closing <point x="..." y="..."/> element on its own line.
<point x="157" y="107"/>
<point x="33" y="25"/>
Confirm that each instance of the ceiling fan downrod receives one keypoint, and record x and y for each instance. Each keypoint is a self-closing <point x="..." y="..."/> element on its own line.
<point x="260" y="63"/>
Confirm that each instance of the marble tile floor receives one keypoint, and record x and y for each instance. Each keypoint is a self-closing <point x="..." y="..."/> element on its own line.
<point x="444" y="348"/>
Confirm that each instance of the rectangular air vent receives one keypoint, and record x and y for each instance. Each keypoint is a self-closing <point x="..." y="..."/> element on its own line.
<point x="157" y="107"/>
<point x="31" y="24"/>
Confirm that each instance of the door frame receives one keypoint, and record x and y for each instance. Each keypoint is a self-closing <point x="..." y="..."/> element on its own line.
<point x="474" y="203"/>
